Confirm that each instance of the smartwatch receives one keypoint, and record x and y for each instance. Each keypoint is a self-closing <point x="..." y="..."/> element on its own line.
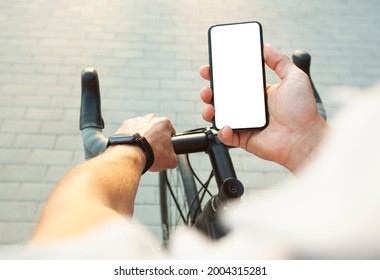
<point x="134" y="140"/>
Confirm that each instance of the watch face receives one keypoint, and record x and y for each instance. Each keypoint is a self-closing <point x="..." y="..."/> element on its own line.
<point x="122" y="139"/>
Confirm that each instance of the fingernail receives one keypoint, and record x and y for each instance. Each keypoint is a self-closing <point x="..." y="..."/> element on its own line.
<point x="222" y="132"/>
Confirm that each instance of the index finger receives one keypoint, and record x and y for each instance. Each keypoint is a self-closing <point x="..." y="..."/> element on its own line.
<point x="204" y="71"/>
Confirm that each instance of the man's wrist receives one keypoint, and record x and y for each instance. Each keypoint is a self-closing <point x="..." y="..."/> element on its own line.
<point x="127" y="155"/>
<point x="134" y="140"/>
<point x="306" y="147"/>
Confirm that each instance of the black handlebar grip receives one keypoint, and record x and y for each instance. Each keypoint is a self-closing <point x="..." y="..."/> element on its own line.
<point x="303" y="60"/>
<point x="90" y="112"/>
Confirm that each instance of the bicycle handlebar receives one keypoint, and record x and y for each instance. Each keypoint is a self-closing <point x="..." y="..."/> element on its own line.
<point x="91" y="123"/>
<point x="197" y="138"/>
<point x="90" y="113"/>
<point x="303" y="60"/>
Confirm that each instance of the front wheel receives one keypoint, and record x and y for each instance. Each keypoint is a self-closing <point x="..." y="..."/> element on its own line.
<point x="179" y="200"/>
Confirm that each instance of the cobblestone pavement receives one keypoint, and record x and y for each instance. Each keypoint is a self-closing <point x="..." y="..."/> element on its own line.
<point x="147" y="54"/>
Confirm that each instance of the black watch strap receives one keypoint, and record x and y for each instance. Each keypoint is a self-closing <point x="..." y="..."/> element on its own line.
<point x="147" y="149"/>
<point x="136" y="140"/>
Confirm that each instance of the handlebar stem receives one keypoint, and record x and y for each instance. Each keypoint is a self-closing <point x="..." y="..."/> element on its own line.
<point x="220" y="159"/>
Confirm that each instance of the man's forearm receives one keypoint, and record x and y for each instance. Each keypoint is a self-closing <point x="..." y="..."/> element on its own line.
<point x="93" y="192"/>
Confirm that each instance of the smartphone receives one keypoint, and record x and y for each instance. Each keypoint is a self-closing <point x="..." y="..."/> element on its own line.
<point x="237" y="75"/>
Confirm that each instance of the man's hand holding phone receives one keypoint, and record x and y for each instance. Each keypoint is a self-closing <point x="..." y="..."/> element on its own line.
<point x="295" y="128"/>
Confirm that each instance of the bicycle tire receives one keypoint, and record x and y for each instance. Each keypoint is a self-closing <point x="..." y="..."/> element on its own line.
<point x="179" y="201"/>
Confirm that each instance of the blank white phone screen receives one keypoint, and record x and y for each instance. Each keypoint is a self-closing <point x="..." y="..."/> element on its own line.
<point x="237" y="75"/>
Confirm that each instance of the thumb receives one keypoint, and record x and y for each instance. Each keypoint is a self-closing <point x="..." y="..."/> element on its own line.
<point x="278" y="62"/>
<point x="225" y="135"/>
